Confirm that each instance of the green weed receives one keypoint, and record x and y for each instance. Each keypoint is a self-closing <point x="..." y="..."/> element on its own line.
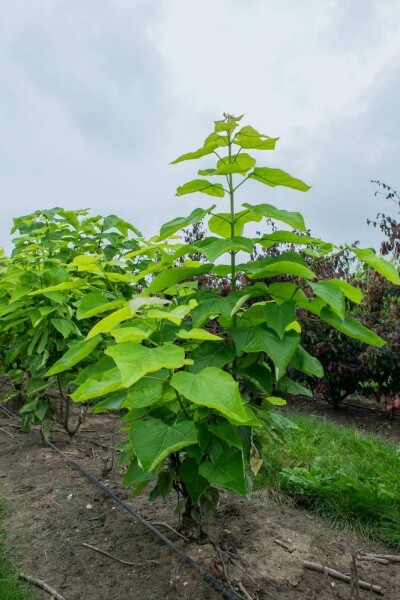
<point x="10" y="587"/>
<point x="341" y="473"/>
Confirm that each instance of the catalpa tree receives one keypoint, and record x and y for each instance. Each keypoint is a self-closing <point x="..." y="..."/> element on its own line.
<point x="198" y="373"/>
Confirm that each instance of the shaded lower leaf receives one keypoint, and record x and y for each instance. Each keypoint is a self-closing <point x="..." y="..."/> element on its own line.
<point x="352" y="328"/>
<point x="228" y="473"/>
<point x="211" y="387"/>
<point x="153" y="440"/>
<point x="195" y="483"/>
<point x="74" y="355"/>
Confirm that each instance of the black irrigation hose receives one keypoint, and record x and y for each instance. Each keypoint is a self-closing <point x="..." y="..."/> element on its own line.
<point x="206" y="576"/>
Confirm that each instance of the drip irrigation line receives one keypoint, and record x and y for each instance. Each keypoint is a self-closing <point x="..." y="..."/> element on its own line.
<point x="185" y="557"/>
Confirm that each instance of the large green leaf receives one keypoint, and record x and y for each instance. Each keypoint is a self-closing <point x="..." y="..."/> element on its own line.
<point x="134" y="361"/>
<point x="382" y="266"/>
<point x="195" y="483"/>
<point x="203" y="186"/>
<point x="101" y="384"/>
<point x="289" y="386"/>
<point x="304" y="362"/>
<point x="146" y="391"/>
<point x="239" y="164"/>
<point x="129" y="334"/>
<point x="197" y="334"/>
<point x="262" y="339"/>
<point x="94" y="304"/>
<point x="213" y="307"/>
<point x="208" y="148"/>
<point x="221" y="223"/>
<point x="175" y="274"/>
<point x="153" y="440"/>
<point x="74" y="355"/>
<point x="211" y="354"/>
<point x="248" y="138"/>
<point x="228" y="433"/>
<point x="352" y="293"/>
<point x="294" y="219"/>
<point x="228" y="472"/>
<point x="212" y="248"/>
<point x="276" y="316"/>
<point x="332" y="296"/>
<point x="280" y="267"/>
<point x="111" y="321"/>
<point x="287" y="237"/>
<point x="175" y="225"/>
<point x="139" y="301"/>
<point x="64" y="286"/>
<point x="259" y="375"/>
<point x="211" y="387"/>
<point x="274" y="177"/>
<point x="352" y="328"/>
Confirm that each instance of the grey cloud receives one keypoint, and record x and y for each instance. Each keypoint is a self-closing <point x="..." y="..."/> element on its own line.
<point x="358" y="150"/>
<point x="99" y="65"/>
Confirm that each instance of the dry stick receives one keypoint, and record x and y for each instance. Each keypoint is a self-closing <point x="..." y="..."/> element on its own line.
<point x="233" y="557"/>
<point x="244" y="591"/>
<point x="381" y="561"/>
<point x="171" y="528"/>
<point x="389" y="557"/>
<point x="7" y="432"/>
<point x="321" y="569"/>
<point x="331" y="584"/>
<point x="124" y="562"/>
<point x="354" y="584"/>
<point x="226" y="574"/>
<point x="43" y="585"/>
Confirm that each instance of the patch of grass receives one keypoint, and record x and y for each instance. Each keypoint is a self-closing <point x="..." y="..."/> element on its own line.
<point x="351" y="477"/>
<point x="10" y="587"/>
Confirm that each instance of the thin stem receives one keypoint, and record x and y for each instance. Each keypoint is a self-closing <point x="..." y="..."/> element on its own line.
<point x="238" y="186"/>
<point x="181" y="405"/>
<point x="232" y="211"/>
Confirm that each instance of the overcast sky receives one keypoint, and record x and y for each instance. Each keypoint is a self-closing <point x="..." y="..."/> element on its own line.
<point x="98" y="96"/>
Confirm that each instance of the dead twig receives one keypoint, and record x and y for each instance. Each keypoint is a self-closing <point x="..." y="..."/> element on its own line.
<point x="354" y="581"/>
<point x="43" y="585"/>
<point x="234" y="558"/>
<point x="331" y="584"/>
<point x="389" y="557"/>
<point x="227" y="578"/>
<point x="171" y="528"/>
<point x="120" y="560"/>
<point x="244" y="591"/>
<point x="337" y="575"/>
<point x="7" y="432"/>
<point x="381" y="561"/>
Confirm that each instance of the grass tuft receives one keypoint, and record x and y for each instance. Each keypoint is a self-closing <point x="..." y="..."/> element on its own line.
<point x="341" y="473"/>
<point x="10" y="587"/>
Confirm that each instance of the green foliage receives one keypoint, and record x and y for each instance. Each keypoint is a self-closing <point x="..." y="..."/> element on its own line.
<point x="10" y="587"/>
<point x="66" y="268"/>
<point x="104" y="315"/>
<point x="346" y="475"/>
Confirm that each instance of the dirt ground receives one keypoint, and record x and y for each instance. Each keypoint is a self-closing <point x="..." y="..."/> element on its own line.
<point x="54" y="510"/>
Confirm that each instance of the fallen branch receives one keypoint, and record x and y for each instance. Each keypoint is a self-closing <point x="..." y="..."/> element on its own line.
<point x="120" y="560"/>
<point x="171" y="528"/>
<point x="43" y="585"/>
<point x="7" y="432"/>
<point x="381" y="561"/>
<point x="389" y="557"/>
<point x="244" y="591"/>
<point x="337" y="575"/>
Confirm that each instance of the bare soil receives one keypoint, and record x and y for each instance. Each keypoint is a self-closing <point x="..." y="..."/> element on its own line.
<point x="54" y="510"/>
